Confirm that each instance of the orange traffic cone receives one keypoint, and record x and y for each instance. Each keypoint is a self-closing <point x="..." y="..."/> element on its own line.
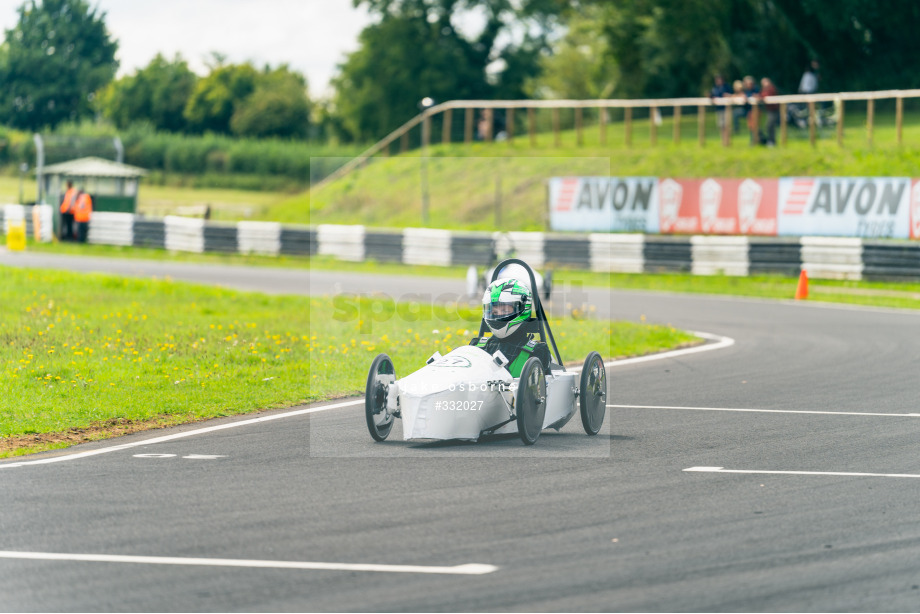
<point x="801" y="292"/>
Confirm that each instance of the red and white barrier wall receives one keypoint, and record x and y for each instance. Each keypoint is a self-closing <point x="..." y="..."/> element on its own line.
<point x="866" y="207"/>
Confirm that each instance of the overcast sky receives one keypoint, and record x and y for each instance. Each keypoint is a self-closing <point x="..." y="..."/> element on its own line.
<point x="312" y="36"/>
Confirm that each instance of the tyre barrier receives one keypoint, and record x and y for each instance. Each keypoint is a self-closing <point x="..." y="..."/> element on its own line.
<point x="40" y="216"/>
<point x="821" y="257"/>
<point x="262" y="238"/>
<point x="110" y="228"/>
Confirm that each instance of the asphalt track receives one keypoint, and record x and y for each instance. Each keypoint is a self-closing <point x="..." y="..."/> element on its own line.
<point x="241" y="517"/>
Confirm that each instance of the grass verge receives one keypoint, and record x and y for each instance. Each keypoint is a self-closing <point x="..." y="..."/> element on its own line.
<point x="92" y="356"/>
<point x="905" y="295"/>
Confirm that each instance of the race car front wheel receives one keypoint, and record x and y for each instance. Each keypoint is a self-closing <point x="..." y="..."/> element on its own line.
<point x="530" y="403"/>
<point x="593" y="393"/>
<point x="380" y="376"/>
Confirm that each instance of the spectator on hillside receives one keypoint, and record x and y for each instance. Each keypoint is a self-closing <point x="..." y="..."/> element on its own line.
<point x="738" y="103"/>
<point x="719" y="90"/>
<point x="810" y="78"/>
<point x="751" y="92"/>
<point x="482" y="127"/>
<point x="767" y="89"/>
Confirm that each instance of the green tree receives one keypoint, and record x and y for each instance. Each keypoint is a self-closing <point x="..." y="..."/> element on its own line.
<point x="861" y="44"/>
<point x="415" y="50"/>
<point x="216" y="97"/>
<point x="278" y="107"/>
<point x="156" y="94"/>
<point x="57" y="56"/>
<point x="581" y="65"/>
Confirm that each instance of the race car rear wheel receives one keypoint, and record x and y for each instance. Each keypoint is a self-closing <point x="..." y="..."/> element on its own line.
<point x="379" y="419"/>
<point x="530" y="402"/>
<point x="592" y="395"/>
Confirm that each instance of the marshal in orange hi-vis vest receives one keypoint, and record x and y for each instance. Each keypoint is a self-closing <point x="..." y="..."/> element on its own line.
<point x="69" y="198"/>
<point x="83" y="209"/>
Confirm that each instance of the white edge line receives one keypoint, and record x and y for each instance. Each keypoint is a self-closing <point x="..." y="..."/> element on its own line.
<point x="770" y="411"/>
<point x="165" y="438"/>
<point x="720" y="342"/>
<point x="830" y="473"/>
<point x="470" y="569"/>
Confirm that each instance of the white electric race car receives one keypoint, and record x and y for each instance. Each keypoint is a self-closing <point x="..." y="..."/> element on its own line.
<point x="469" y="393"/>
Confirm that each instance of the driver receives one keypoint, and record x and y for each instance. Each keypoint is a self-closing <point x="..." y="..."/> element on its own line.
<point x="506" y="305"/>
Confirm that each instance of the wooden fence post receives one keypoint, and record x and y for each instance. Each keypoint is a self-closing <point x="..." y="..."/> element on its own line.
<point x="899" y="116"/>
<point x="627" y="118"/>
<point x="870" y="118"/>
<point x="677" y="113"/>
<point x="728" y="126"/>
<point x="557" y="140"/>
<point x="404" y="142"/>
<point x="602" y="122"/>
<point x="783" y="124"/>
<point x="489" y="116"/>
<point x="701" y="125"/>
<point x="509" y="124"/>
<point x="446" y="126"/>
<point x="532" y="126"/>
<point x="840" y="125"/>
<point x="653" y="125"/>
<point x="468" y="125"/>
<point x="579" y="137"/>
<point x="811" y="123"/>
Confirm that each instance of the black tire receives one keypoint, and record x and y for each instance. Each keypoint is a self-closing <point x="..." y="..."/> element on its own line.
<point x="592" y="395"/>
<point x="381" y="373"/>
<point x="530" y="401"/>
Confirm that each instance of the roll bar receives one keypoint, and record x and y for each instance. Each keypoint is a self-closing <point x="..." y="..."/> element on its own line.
<point x="539" y="324"/>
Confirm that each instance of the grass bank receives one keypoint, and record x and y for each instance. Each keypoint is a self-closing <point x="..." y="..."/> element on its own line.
<point x="503" y="185"/>
<point x="92" y="356"/>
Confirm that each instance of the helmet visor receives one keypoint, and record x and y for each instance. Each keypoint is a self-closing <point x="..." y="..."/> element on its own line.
<point x="502" y="311"/>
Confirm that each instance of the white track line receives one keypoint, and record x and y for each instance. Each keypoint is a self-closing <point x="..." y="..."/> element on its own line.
<point x="830" y="473"/>
<point x="720" y="342"/>
<point x="470" y="569"/>
<point x="192" y="433"/>
<point x="768" y="411"/>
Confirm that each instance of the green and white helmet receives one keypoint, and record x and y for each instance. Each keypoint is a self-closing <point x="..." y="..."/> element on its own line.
<point x="506" y="304"/>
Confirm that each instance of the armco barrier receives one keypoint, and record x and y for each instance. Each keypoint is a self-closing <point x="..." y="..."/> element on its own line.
<point x="821" y="257"/>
